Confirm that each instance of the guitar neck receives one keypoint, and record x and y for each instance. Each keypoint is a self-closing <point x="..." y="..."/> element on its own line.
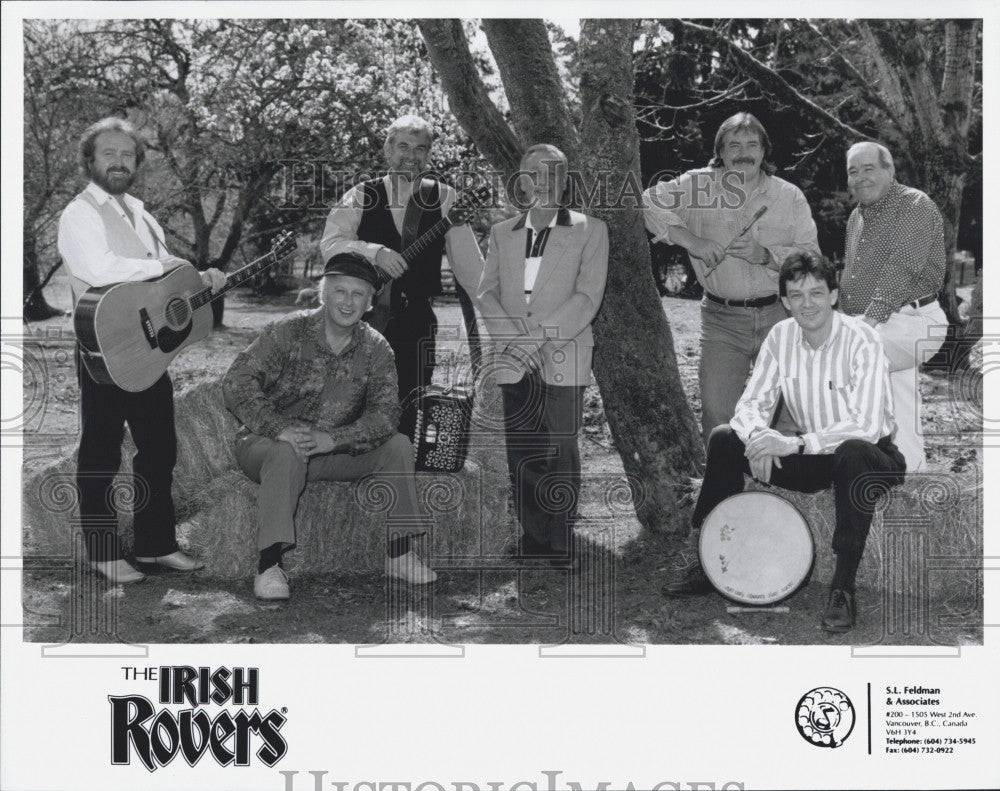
<point x="426" y="239"/>
<point x="234" y="280"/>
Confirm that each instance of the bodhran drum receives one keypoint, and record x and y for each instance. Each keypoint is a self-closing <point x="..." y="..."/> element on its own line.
<point x="756" y="547"/>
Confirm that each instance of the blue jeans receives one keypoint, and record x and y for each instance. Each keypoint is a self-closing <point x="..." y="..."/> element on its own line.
<point x="730" y="341"/>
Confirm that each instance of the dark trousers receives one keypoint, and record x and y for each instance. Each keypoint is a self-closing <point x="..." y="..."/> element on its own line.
<point x="104" y="410"/>
<point x="881" y="464"/>
<point x="410" y="332"/>
<point x="542" y="422"/>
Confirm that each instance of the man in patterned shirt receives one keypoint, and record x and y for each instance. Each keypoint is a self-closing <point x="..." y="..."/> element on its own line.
<point x="316" y="393"/>
<point x="831" y="371"/>
<point x="894" y="268"/>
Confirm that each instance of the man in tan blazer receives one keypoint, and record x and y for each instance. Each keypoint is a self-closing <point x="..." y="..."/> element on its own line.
<point x="541" y="287"/>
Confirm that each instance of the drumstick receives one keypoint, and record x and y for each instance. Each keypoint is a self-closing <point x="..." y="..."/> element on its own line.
<point x="757" y="215"/>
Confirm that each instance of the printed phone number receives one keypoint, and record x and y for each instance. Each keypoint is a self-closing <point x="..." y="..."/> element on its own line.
<point x="932" y="746"/>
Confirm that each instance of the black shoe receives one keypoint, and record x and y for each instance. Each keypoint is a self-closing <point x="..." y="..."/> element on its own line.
<point x="692" y="582"/>
<point x="840" y="611"/>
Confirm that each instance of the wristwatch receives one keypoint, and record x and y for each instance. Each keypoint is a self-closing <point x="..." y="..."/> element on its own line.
<point x="802" y="442"/>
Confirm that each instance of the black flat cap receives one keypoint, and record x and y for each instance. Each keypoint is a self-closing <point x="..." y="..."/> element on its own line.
<point x="353" y="265"/>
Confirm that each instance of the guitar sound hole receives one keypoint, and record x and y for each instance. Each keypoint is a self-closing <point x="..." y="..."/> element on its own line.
<point x="177" y="313"/>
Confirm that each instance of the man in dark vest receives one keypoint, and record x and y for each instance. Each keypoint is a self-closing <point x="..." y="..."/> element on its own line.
<point x="381" y="218"/>
<point x="106" y="237"/>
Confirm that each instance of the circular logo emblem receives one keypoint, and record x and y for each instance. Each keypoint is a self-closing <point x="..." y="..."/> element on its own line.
<point x="825" y="717"/>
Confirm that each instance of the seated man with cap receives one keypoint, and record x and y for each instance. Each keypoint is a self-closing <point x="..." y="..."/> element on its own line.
<point x="316" y="393"/>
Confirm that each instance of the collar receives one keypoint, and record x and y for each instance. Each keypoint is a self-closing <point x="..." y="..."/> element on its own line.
<point x="103" y="196"/>
<point x="563" y="217"/>
<point x="320" y="319"/>
<point x="835" y="326"/>
<point x="879" y="206"/>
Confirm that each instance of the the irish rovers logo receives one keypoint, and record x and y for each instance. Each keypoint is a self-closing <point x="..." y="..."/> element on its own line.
<point x="200" y="712"/>
<point x="825" y="717"/>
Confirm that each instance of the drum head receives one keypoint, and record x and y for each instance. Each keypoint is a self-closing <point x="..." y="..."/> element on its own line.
<point x="756" y="547"/>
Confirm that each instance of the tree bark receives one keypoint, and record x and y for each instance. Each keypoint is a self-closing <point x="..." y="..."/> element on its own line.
<point x="468" y="99"/>
<point x="531" y="82"/>
<point x="634" y="360"/>
<point x="36" y="308"/>
<point x="636" y="369"/>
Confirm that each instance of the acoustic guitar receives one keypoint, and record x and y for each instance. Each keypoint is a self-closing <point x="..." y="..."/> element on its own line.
<point x="129" y="332"/>
<point x="467" y="203"/>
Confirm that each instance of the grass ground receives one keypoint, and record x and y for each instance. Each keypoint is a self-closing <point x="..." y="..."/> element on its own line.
<point x="619" y="601"/>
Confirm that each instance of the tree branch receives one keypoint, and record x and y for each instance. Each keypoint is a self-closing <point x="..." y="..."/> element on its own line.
<point x="769" y="80"/>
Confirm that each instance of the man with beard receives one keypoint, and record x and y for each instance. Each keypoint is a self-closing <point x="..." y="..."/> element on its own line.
<point x="374" y="218"/>
<point x="738" y="223"/>
<point x="106" y="237"/>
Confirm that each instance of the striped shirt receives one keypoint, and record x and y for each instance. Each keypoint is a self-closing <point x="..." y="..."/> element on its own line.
<point x="837" y="392"/>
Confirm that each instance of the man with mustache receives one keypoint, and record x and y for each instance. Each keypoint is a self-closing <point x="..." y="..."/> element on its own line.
<point x="893" y="270"/>
<point x="374" y="218"/>
<point x="106" y="236"/>
<point x="704" y="211"/>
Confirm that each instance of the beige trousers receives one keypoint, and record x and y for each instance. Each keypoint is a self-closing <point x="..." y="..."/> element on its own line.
<point x="911" y="336"/>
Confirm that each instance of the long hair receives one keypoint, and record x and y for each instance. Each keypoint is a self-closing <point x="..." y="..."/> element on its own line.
<point x="743" y="122"/>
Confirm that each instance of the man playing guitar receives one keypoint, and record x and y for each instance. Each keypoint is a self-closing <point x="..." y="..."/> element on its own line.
<point x="105" y="237"/>
<point x="379" y="219"/>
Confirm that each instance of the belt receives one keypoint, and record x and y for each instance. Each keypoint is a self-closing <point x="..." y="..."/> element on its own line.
<point x="919" y="303"/>
<point x="760" y="302"/>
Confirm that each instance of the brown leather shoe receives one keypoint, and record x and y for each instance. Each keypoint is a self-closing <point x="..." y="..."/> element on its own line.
<point x="691" y="582"/>
<point x="840" y="611"/>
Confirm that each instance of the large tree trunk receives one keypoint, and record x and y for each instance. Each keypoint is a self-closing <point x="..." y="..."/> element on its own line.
<point x="648" y="413"/>
<point x="468" y="99"/>
<point x="531" y="81"/>
<point x="635" y="364"/>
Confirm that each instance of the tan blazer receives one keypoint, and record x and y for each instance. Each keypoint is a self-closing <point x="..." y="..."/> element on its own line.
<point x="565" y="297"/>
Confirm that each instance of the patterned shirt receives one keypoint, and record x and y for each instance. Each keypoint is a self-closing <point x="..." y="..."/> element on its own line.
<point x="290" y="375"/>
<point x="895" y="254"/>
<point x="713" y="205"/>
<point x="837" y="392"/>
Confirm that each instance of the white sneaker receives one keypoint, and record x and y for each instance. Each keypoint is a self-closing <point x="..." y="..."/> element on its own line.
<point x="409" y="568"/>
<point x="271" y="584"/>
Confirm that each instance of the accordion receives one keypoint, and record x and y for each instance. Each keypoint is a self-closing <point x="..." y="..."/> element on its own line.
<point x="441" y="436"/>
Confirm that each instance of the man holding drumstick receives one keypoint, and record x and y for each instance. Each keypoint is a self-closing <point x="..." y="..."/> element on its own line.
<point x="832" y="373"/>
<point x="738" y="223"/>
